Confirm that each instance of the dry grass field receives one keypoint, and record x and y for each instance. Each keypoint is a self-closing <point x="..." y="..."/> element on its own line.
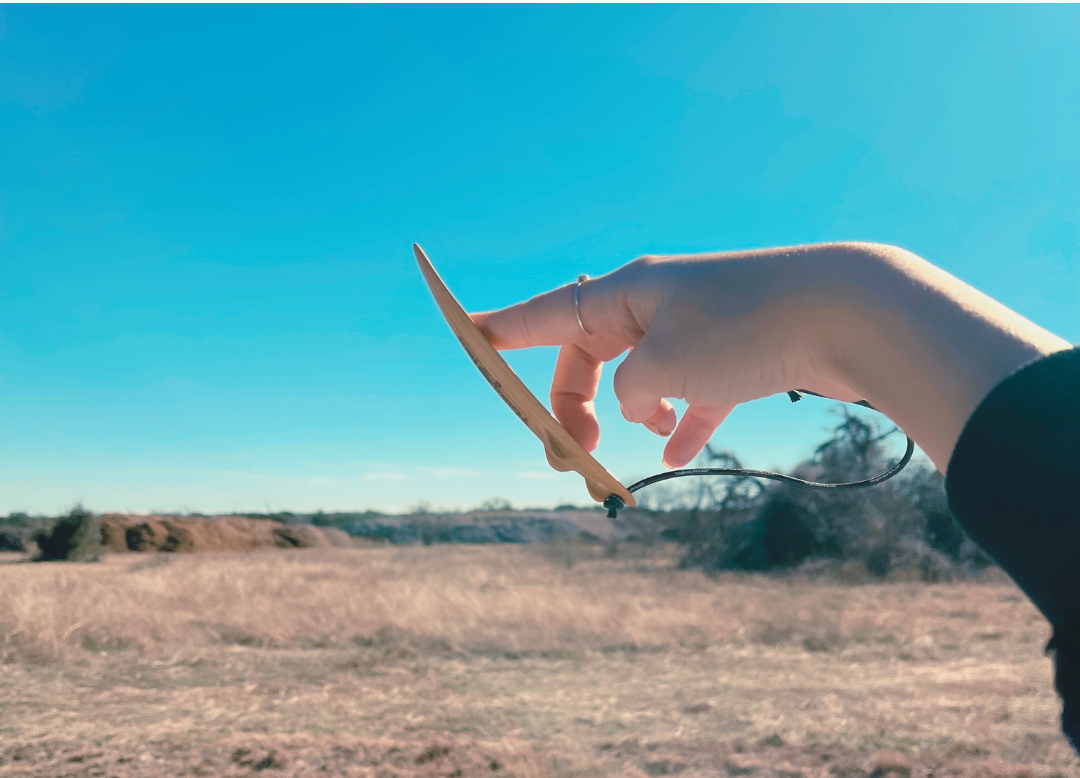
<point x="524" y="661"/>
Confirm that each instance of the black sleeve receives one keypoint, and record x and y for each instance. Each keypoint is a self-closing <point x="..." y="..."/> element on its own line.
<point x="1014" y="484"/>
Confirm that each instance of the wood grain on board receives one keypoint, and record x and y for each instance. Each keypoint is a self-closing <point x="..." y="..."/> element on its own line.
<point x="563" y="452"/>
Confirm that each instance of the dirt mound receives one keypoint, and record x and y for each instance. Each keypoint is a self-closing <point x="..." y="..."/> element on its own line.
<point x="122" y="532"/>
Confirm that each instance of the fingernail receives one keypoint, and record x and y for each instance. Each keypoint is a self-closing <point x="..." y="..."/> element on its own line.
<point x="667" y="430"/>
<point x="625" y="415"/>
<point x="664" y="462"/>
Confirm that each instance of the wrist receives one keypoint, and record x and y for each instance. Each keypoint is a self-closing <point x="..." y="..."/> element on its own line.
<point x="827" y="290"/>
<point x="924" y="347"/>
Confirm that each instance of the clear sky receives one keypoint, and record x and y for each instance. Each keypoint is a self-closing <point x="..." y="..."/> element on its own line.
<point x="208" y="300"/>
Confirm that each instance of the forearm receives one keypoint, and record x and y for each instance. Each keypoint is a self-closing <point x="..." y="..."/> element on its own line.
<point x="924" y="347"/>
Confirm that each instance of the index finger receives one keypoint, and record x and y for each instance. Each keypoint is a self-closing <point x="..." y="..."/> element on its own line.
<point x="545" y="320"/>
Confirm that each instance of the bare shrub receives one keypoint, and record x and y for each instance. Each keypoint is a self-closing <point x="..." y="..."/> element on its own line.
<point x="903" y="526"/>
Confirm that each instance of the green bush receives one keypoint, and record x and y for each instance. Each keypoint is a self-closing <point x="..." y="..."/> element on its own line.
<point x="75" y="537"/>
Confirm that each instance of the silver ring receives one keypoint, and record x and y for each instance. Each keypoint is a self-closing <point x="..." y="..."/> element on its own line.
<point x="577" y="302"/>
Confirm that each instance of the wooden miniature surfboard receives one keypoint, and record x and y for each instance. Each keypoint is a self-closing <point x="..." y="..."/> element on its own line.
<point x="563" y="452"/>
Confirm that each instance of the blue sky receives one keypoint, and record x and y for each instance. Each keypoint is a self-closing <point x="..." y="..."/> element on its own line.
<point x="207" y="296"/>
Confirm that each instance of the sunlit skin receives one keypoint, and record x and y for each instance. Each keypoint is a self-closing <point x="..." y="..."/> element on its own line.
<point x="846" y="320"/>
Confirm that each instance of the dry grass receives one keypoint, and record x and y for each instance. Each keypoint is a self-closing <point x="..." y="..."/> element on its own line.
<point x="524" y="661"/>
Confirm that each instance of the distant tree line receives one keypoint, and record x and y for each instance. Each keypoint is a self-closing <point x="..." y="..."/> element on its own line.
<point x="723" y="523"/>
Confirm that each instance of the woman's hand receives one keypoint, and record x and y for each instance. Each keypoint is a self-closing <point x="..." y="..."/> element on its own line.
<point x="848" y="321"/>
<point x="715" y="330"/>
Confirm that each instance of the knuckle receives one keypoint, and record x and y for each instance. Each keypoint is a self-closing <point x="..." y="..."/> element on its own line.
<point x="527" y="313"/>
<point x="645" y="261"/>
<point x="633" y="388"/>
<point x="624" y="381"/>
<point x="565" y="397"/>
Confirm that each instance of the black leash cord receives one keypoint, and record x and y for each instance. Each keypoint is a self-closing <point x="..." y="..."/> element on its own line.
<point x="613" y="503"/>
